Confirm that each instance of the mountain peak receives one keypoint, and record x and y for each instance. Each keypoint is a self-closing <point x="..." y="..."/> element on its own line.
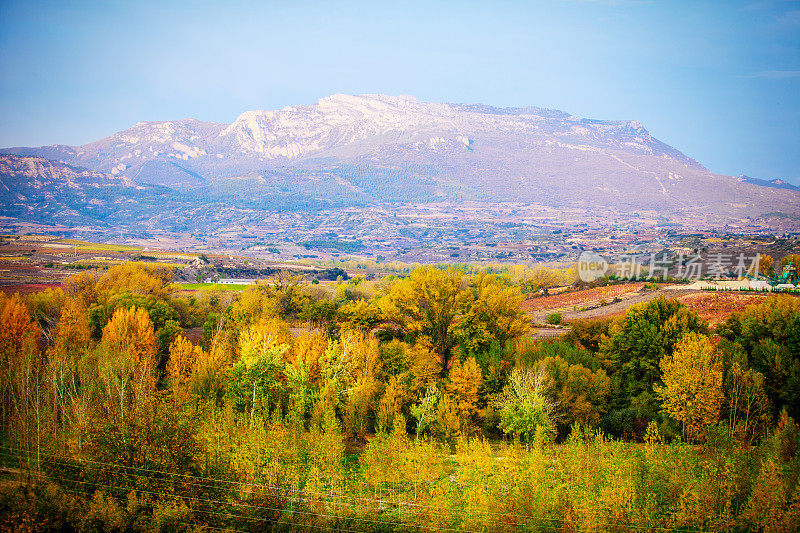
<point x="349" y="99"/>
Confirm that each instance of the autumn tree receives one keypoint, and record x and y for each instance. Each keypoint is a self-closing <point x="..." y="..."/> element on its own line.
<point x="361" y="314"/>
<point x="446" y="424"/>
<point x="254" y="378"/>
<point x="769" y="333"/>
<point x="126" y="362"/>
<point x="136" y="278"/>
<point x="580" y="394"/>
<point x="183" y="357"/>
<point x="22" y="378"/>
<point x="425" y="411"/>
<point x="493" y="314"/>
<point x="45" y="308"/>
<point x="394" y="396"/>
<point x="424" y="370"/>
<point x="590" y="334"/>
<point x="463" y="385"/>
<point x="71" y="343"/>
<point x="17" y="332"/>
<point x="307" y="349"/>
<point x="540" y="278"/>
<point x="82" y="286"/>
<point x="362" y="394"/>
<point x="336" y="377"/>
<point x="633" y="350"/>
<point x="429" y="302"/>
<point x="692" y="390"/>
<point x="789" y="258"/>
<point x="764" y="265"/>
<point x="747" y="404"/>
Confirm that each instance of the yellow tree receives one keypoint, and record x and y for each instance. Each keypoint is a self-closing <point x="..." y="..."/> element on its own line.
<point x="15" y="327"/>
<point x="692" y="390"/>
<point x="362" y="394"/>
<point x="494" y="314"/>
<point x="82" y="286"/>
<point x="447" y="424"/>
<point x="137" y="278"/>
<point x="465" y="381"/>
<point x="429" y="302"/>
<point x="183" y="357"/>
<point x="71" y="342"/>
<point x="130" y="332"/>
<point x="763" y="265"/>
<point x="22" y="373"/>
<point x="390" y="404"/>
<point x="257" y="340"/>
<point x="424" y="369"/>
<point x="307" y="349"/>
<point x="127" y="357"/>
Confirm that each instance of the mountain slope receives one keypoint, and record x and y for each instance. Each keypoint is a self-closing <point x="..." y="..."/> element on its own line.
<point x="373" y="148"/>
<point x="43" y="191"/>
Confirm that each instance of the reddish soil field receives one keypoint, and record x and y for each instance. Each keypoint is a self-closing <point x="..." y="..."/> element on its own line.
<point x="27" y="288"/>
<point x="716" y="307"/>
<point x="580" y="298"/>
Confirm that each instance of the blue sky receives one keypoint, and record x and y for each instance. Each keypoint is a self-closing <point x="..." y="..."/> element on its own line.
<point x="718" y="80"/>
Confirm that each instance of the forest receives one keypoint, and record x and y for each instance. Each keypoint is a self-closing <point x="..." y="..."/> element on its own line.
<point x="414" y="403"/>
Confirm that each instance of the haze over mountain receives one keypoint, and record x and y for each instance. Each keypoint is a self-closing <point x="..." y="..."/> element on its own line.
<point x="354" y="150"/>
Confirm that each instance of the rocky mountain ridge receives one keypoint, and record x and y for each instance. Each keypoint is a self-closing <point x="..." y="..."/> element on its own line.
<point x="355" y="150"/>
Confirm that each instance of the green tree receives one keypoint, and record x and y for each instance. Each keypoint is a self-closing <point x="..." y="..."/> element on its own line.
<point x="635" y="346"/>
<point x="526" y="409"/>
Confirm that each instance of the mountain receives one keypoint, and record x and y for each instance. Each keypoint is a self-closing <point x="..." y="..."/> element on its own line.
<point x="356" y="150"/>
<point x="775" y="183"/>
<point x="44" y="191"/>
<point x="34" y="189"/>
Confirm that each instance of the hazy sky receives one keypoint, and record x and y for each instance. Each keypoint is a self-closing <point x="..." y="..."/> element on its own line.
<point x="718" y="80"/>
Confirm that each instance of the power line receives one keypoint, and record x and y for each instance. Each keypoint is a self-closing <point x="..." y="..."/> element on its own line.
<point x="379" y="501"/>
<point x="200" y="481"/>
<point x="287" y="490"/>
<point x="246" y="505"/>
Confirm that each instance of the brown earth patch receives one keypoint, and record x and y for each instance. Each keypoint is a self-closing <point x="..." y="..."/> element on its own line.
<point x="716" y="307"/>
<point x="580" y="298"/>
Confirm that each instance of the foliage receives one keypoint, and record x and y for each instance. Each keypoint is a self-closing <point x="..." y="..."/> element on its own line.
<point x="554" y="319"/>
<point x="580" y="394"/>
<point x="769" y="333"/>
<point x="526" y="410"/>
<point x="465" y="381"/>
<point x="428" y="303"/>
<point x="692" y="391"/>
<point x="493" y="313"/>
<point x="292" y="416"/>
